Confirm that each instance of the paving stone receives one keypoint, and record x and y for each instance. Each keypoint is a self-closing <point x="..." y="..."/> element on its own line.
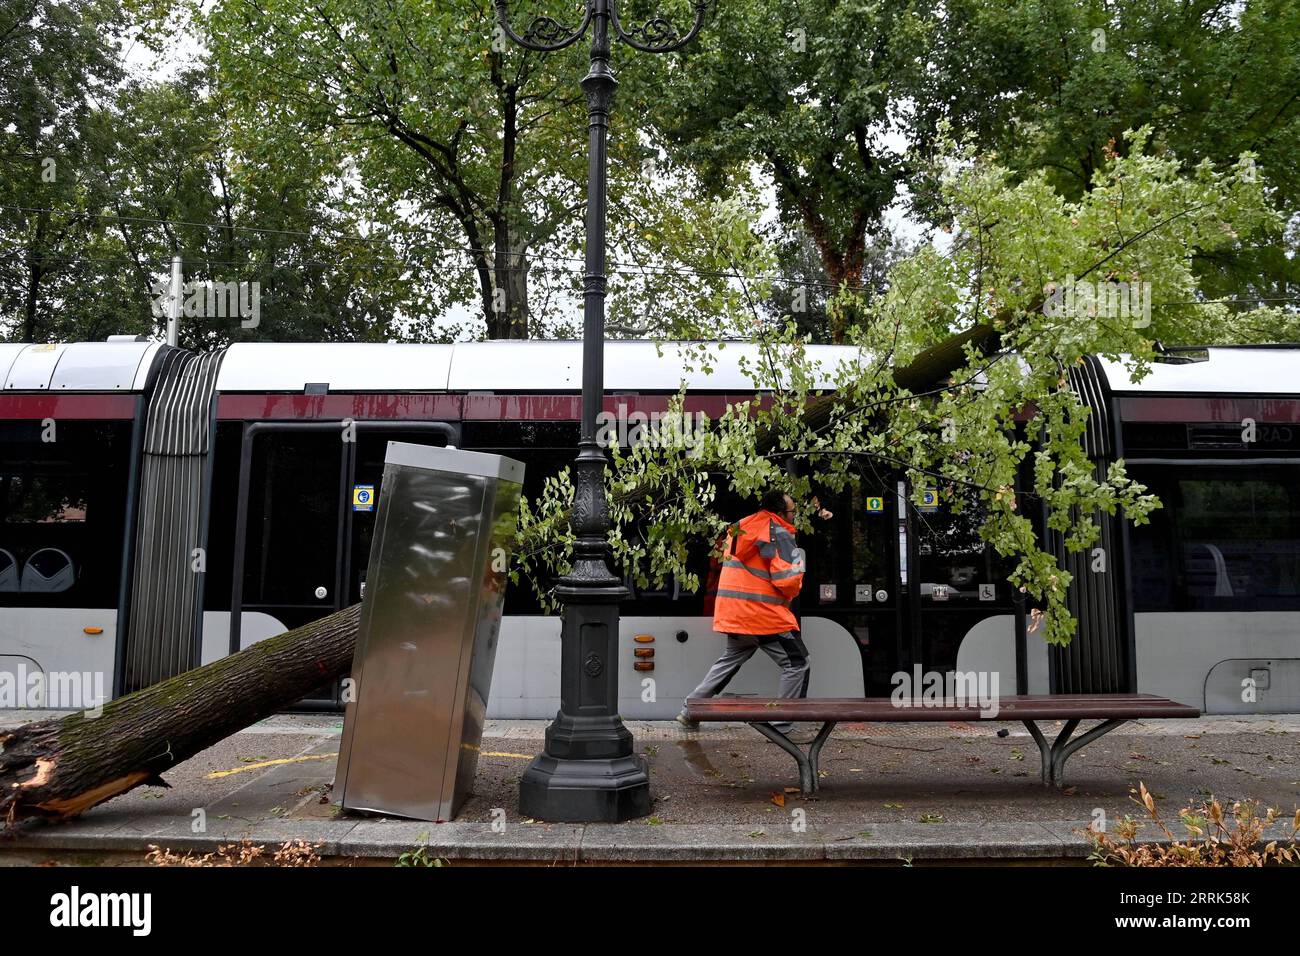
<point x="555" y="842"/>
<point x="691" y="843"/>
<point x="942" y="841"/>
<point x="105" y="833"/>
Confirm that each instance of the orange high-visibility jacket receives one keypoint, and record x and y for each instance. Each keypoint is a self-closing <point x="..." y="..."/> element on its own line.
<point x="761" y="574"/>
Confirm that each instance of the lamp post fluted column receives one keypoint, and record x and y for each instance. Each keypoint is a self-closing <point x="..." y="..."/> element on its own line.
<point x="589" y="772"/>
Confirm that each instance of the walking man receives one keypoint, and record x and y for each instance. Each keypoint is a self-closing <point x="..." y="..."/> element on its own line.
<point x="762" y="573"/>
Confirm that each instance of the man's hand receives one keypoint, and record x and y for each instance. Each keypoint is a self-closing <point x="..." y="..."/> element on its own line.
<point x="821" y="512"/>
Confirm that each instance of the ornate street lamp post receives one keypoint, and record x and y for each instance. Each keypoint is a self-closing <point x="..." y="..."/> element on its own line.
<point x="588" y="771"/>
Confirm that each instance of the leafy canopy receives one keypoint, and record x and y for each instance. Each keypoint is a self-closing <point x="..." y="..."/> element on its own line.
<point x="962" y="433"/>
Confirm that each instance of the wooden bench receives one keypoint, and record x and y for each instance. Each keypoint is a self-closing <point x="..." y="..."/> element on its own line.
<point x="1111" y="709"/>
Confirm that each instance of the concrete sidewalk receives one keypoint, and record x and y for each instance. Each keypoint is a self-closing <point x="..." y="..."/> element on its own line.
<point x="911" y="792"/>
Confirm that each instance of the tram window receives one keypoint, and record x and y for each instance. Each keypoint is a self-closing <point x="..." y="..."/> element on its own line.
<point x="874" y="535"/>
<point x="368" y="469"/>
<point x="521" y="437"/>
<point x="850" y="550"/>
<point x="1219" y="542"/>
<point x="293" y="519"/>
<point x="221" y="522"/>
<point x="952" y="554"/>
<point x="673" y="598"/>
<point x="46" y="499"/>
<point x="63" y="512"/>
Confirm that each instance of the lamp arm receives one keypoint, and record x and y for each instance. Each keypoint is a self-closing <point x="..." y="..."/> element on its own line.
<point x="544" y="34"/>
<point x="657" y="35"/>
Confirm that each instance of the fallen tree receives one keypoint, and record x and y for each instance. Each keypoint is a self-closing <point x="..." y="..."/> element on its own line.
<point x="58" y="768"/>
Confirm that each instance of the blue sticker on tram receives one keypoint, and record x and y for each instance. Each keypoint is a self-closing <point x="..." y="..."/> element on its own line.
<point x="363" y="497"/>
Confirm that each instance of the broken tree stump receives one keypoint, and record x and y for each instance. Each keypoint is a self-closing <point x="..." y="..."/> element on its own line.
<point x="58" y="768"/>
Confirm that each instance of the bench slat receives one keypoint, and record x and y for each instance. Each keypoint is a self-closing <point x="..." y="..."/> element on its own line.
<point x="884" y="710"/>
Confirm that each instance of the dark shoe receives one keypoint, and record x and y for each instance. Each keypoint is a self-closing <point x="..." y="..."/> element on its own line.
<point x="687" y="722"/>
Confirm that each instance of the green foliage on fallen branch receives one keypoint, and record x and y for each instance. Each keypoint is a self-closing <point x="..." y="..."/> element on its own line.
<point x="1038" y="278"/>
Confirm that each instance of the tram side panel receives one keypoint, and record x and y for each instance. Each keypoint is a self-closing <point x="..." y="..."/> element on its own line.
<point x="526" y="677"/>
<point x="64" y="489"/>
<point x="1216" y="586"/>
<point x="1214" y="595"/>
<point x="855" y="608"/>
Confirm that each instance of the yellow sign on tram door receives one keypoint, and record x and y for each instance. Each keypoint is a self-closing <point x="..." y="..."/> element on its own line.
<point x="363" y="497"/>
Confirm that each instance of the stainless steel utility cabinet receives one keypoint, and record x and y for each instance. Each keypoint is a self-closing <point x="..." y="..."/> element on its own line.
<point x="427" y="640"/>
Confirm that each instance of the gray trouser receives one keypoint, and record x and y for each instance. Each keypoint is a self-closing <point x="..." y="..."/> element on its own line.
<point x="787" y="651"/>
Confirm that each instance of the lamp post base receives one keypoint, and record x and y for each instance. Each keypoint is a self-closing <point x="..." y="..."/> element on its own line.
<point x="589" y="772"/>
<point x="610" y="790"/>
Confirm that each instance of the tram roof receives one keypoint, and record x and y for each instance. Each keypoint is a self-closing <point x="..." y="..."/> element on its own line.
<point x="121" y="366"/>
<point x="499" y="366"/>
<point x="555" y="366"/>
<point x="1224" y="371"/>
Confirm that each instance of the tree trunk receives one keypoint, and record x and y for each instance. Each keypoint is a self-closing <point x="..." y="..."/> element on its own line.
<point x="844" y="268"/>
<point x="510" y="275"/>
<point x="58" y="768"/>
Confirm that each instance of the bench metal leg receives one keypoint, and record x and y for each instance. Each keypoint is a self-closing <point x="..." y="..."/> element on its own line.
<point x="815" y="751"/>
<point x="1060" y="750"/>
<point x="1058" y="761"/>
<point x="1045" y="751"/>
<point x="1103" y="728"/>
<point x="808" y="769"/>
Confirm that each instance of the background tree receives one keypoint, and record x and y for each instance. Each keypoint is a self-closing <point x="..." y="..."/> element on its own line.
<point x="288" y="225"/>
<point x="54" y="59"/>
<point x="801" y="291"/>
<point x="1052" y="85"/>
<point x="103" y="176"/>
<point x="453" y="131"/>
<point x="809" y="92"/>
<point x="840" y="107"/>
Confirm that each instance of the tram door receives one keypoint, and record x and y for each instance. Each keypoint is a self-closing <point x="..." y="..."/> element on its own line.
<point x="309" y="492"/>
<point x="954" y="585"/>
<point x="855" y="570"/>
